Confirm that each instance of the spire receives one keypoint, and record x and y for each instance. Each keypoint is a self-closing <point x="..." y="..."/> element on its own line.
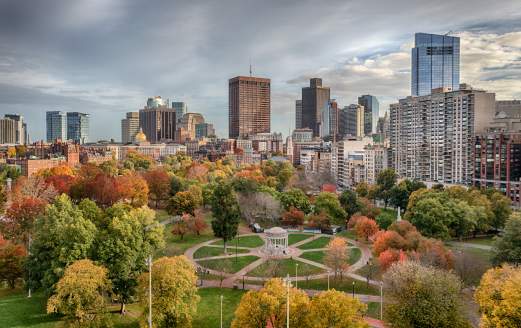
<point x="250" y="68"/>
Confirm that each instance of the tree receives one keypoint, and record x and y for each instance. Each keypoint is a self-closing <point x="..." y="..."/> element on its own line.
<point x="366" y="228"/>
<point x="328" y="203"/>
<point x="225" y="212"/>
<point x="177" y="184"/>
<point x="507" y="248"/>
<point x="62" y="236"/>
<point x="34" y="187"/>
<point x="385" y="181"/>
<point x="368" y="209"/>
<point x="349" y="201"/>
<point x="432" y="252"/>
<point x="267" y="307"/>
<point x="498" y="296"/>
<point x="130" y="237"/>
<point x="259" y="206"/>
<point x="158" y="182"/>
<point x="418" y="296"/>
<point x="182" y="202"/>
<point x="318" y="221"/>
<point x="181" y="226"/>
<point x="295" y="198"/>
<point x="80" y="293"/>
<point x="174" y="292"/>
<point x="362" y="189"/>
<point x="432" y="216"/>
<point x="388" y="240"/>
<point x="334" y="309"/>
<point x="196" y="223"/>
<point x="92" y="212"/>
<point x="293" y="218"/>
<point x="18" y="222"/>
<point x="400" y="193"/>
<point x="337" y="256"/>
<point x="62" y="183"/>
<point x="12" y="258"/>
<point x="137" y="161"/>
<point x="389" y="257"/>
<point x="501" y="207"/>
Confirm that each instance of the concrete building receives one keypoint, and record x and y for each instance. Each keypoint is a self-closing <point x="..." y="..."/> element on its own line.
<point x="8" y="131"/>
<point x="371" y="113"/>
<point x="78" y="127"/>
<point x="345" y="156"/>
<point x="249" y="106"/>
<point x="431" y="137"/>
<point x="22" y="136"/>
<point x="314" y="99"/>
<point x="267" y="142"/>
<point x="352" y="122"/>
<point x="435" y="61"/>
<point x="180" y="109"/>
<point x="302" y="135"/>
<point x="158" y="123"/>
<point x="508" y="116"/>
<point x="204" y="130"/>
<point x="188" y="124"/>
<point x="56" y="126"/>
<point x="129" y="127"/>
<point x="375" y="161"/>
<point x="298" y="114"/>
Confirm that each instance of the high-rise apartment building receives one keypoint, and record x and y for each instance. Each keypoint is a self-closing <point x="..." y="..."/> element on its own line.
<point x="129" y="127"/>
<point x="249" y="106"/>
<point x="158" y="123"/>
<point x="352" y="120"/>
<point x="180" y="109"/>
<point x="56" y="123"/>
<point x="372" y="113"/>
<point x="21" y="136"/>
<point x="375" y="161"/>
<point x="435" y="63"/>
<point x="7" y="131"/>
<point x="298" y="114"/>
<point x="431" y="137"/>
<point x="314" y="99"/>
<point x="78" y="127"/>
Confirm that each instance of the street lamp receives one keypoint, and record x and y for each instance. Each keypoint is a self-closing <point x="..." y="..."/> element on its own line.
<point x="236" y="248"/>
<point x="353" y="289"/>
<point x="287" y="301"/>
<point x="328" y="274"/>
<point x="149" y="291"/>
<point x="296" y="275"/>
<point x="221" y="311"/>
<point x="381" y="299"/>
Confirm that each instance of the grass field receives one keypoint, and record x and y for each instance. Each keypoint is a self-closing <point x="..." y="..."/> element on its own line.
<point x="487" y="241"/>
<point x="230" y="265"/>
<point x="246" y="241"/>
<point x="320" y="242"/>
<point x="208" y="311"/>
<point x="280" y="268"/>
<point x="354" y="255"/>
<point x="296" y="237"/>
<point x="351" y="234"/>
<point x="345" y="284"/>
<point x="214" y="251"/>
<point x="316" y="256"/>
<point x="373" y="310"/>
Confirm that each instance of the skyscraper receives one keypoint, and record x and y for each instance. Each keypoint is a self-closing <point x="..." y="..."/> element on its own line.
<point x="329" y="120"/>
<point x="352" y="121"/>
<point x="249" y="106"/>
<point x="21" y="136"/>
<point x="298" y="114"/>
<point x="314" y="99"/>
<point x="158" y="123"/>
<point x="372" y="112"/>
<point x="56" y="122"/>
<point x="435" y="63"/>
<point x="78" y="127"/>
<point x="180" y="109"/>
<point x="129" y="127"/>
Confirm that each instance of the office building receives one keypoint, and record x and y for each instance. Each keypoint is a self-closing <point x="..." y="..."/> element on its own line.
<point x="431" y="137"/>
<point x="352" y="120"/>
<point x="78" y="127"/>
<point x="129" y="127"/>
<point x="20" y="130"/>
<point x="298" y="114"/>
<point x="156" y="102"/>
<point x="249" y="105"/>
<point x="435" y="63"/>
<point x="314" y="99"/>
<point x="7" y="131"/>
<point x="180" y="109"/>
<point x="371" y="113"/>
<point x="203" y="130"/>
<point x="56" y="122"/>
<point x="158" y="123"/>
<point x="329" y="120"/>
<point x="508" y="116"/>
<point x="375" y="161"/>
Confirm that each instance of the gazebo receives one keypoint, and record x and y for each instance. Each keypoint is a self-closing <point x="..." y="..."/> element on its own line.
<point x="276" y="241"/>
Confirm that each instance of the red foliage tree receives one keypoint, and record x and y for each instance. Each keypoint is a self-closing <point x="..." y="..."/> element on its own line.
<point x="181" y="226"/>
<point x="390" y="256"/>
<point x="158" y="182"/>
<point x="62" y="183"/>
<point x="19" y="218"/>
<point x="293" y="218"/>
<point x="388" y="240"/>
<point x="353" y="220"/>
<point x="318" y="221"/>
<point x="433" y="252"/>
<point x="196" y="223"/>
<point x="366" y="228"/>
<point x="12" y="257"/>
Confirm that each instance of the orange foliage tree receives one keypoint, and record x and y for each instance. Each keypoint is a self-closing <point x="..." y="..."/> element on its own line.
<point x="337" y="255"/>
<point x="12" y="258"/>
<point x="366" y="228"/>
<point x="293" y="217"/>
<point x="18" y="222"/>
<point x="390" y="256"/>
<point x="196" y="223"/>
<point x="158" y="182"/>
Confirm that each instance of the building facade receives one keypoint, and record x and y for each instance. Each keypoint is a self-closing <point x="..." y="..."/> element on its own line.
<point x="314" y="99"/>
<point x="180" y="109"/>
<point x="56" y="126"/>
<point x="158" y="123"/>
<point x="129" y="127"/>
<point x="249" y="106"/>
<point x="204" y="130"/>
<point x="352" y="121"/>
<point x="13" y="130"/>
<point x="435" y="63"/>
<point x="78" y="127"/>
<point x="298" y="114"/>
<point x="375" y="161"/>
<point x="371" y="113"/>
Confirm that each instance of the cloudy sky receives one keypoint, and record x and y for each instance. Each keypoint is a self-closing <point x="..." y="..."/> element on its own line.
<point x="105" y="57"/>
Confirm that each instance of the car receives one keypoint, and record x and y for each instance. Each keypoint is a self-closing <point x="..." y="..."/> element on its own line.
<point x="332" y="230"/>
<point x="255" y="227"/>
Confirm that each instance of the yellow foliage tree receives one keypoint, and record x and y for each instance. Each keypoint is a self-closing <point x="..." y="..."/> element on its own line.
<point x="499" y="297"/>
<point x="174" y="292"/>
<point x="267" y="307"/>
<point x="337" y="255"/>
<point x="334" y="309"/>
<point x="80" y="292"/>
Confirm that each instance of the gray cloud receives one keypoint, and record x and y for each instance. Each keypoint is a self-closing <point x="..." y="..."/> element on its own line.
<point x="107" y="56"/>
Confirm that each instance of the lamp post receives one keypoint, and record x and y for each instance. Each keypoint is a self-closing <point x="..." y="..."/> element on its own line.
<point x="287" y="301"/>
<point x="150" y="291"/>
<point x="221" y="311"/>
<point x="296" y="275"/>
<point x="353" y="289"/>
<point x="381" y="299"/>
<point x="328" y="274"/>
<point x="236" y="248"/>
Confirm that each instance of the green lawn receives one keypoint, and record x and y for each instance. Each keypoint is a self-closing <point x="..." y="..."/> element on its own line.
<point x="230" y="265"/>
<point x="177" y="246"/>
<point x="354" y="255"/>
<point x="214" y="251"/>
<point x="316" y="256"/>
<point x="208" y="310"/>
<point x="351" y="234"/>
<point x="246" y="241"/>
<point x="346" y="285"/>
<point x="373" y="310"/>
<point x="487" y="241"/>
<point x="280" y="268"/>
<point x="296" y="237"/>
<point x="320" y="242"/>
<point x="373" y="269"/>
<point x="16" y="310"/>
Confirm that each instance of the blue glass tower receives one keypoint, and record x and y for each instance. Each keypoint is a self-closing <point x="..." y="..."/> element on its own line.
<point x="435" y="63"/>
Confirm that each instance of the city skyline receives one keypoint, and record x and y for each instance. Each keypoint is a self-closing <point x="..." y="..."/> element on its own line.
<point x="42" y="71"/>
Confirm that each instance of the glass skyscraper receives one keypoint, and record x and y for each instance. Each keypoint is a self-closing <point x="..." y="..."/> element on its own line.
<point x="372" y="113"/>
<point x="435" y="63"/>
<point x="56" y="126"/>
<point x="78" y="127"/>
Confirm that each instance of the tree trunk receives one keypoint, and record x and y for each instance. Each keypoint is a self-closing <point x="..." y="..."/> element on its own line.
<point x="122" y="310"/>
<point x="224" y="246"/>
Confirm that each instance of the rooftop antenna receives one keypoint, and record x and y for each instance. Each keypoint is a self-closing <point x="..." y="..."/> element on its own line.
<point x="250" y="66"/>
<point x="449" y="33"/>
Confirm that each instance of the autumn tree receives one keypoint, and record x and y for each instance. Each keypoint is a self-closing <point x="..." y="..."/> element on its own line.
<point x="498" y="297"/>
<point x="318" y="221"/>
<point x="197" y="223"/>
<point x="180" y="226"/>
<point x="33" y="187"/>
<point x="226" y="214"/>
<point x="388" y="240"/>
<point x="501" y="208"/>
<point x="337" y="255"/>
<point x="328" y="203"/>
<point x="507" y="248"/>
<point x="175" y="292"/>
<point x="389" y="257"/>
<point x="334" y="309"/>
<point x="432" y="252"/>
<point x="182" y="202"/>
<point x="261" y="205"/>
<point x="295" y="198"/>
<point x="158" y="182"/>
<point x="366" y="228"/>
<point x="267" y="307"/>
<point x="80" y="293"/>
<point x="293" y="218"/>
<point x="367" y="208"/>
<point x="12" y="258"/>
<point x="18" y="222"/>
<point x="62" y="183"/>
<point x="418" y="296"/>
<point x="137" y="161"/>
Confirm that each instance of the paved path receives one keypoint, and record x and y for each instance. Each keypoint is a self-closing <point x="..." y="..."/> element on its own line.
<point x="470" y="245"/>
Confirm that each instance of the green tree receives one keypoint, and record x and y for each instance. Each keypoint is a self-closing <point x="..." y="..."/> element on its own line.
<point x="385" y="181"/>
<point x="182" y="202"/>
<point x="62" y="236"/>
<point x="501" y="207"/>
<point x="123" y="247"/>
<point x="174" y="292"/>
<point x="295" y="198"/>
<point x="350" y="203"/>
<point x="432" y="216"/>
<point x="422" y="297"/>
<point x="329" y="204"/>
<point x="226" y="213"/>
<point x="177" y="184"/>
<point x="507" y="248"/>
<point x="92" y="212"/>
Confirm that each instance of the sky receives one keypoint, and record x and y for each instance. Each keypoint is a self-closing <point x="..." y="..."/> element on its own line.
<point x="106" y="57"/>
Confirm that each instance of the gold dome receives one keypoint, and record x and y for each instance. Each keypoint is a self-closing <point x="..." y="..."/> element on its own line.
<point x="140" y="137"/>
